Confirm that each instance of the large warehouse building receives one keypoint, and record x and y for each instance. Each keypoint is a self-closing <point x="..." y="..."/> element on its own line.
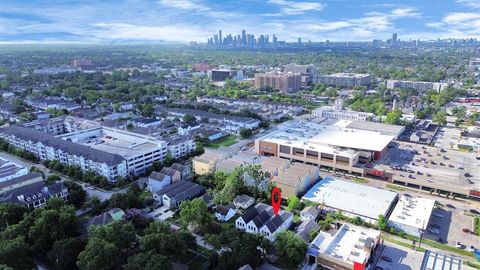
<point x="354" y="200"/>
<point x="330" y="146"/>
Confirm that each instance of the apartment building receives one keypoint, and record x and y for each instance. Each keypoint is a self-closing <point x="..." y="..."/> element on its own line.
<point x="283" y="82"/>
<point x="344" y="79"/>
<point x="419" y="86"/>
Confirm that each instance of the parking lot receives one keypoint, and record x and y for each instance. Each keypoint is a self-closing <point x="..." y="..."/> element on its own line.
<point x="395" y="257"/>
<point x="440" y="222"/>
<point x="450" y="137"/>
<point x="432" y="167"/>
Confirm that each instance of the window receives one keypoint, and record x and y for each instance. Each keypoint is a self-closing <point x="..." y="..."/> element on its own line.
<point x="285" y="149"/>
<point x="312" y="154"/>
<point x="298" y="151"/>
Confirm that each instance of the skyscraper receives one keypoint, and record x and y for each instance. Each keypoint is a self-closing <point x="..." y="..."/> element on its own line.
<point x="299" y="40"/>
<point x="244" y="38"/>
<point x="220" y="36"/>
<point x="394" y="38"/>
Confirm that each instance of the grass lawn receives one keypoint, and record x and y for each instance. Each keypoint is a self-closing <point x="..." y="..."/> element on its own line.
<point x="360" y="180"/>
<point x="402" y="243"/>
<point x="225" y="141"/>
<point x="477" y="226"/>
<point x="395" y="187"/>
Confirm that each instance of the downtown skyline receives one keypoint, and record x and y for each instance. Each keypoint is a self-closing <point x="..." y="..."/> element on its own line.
<point x="53" y="21"/>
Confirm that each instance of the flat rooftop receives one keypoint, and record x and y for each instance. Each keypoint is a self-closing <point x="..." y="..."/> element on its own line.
<point x="413" y="212"/>
<point x="350" y="243"/>
<point x="350" y="197"/>
<point x="438" y="261"/>
<point x="321" y="137"/>
<point x="113" y="141"/>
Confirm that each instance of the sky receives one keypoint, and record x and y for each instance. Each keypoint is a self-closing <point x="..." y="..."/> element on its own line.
<point x="106" y="21"/>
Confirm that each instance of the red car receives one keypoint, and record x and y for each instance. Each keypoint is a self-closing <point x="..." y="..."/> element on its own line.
<point x="465" y="230"/>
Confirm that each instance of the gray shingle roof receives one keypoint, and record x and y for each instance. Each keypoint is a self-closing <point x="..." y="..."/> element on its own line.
<point x="66" y="146"/>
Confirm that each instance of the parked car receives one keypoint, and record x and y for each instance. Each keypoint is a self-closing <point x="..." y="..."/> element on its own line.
<point x="466" y="230"/>
<point x="433" y="230"/>
<point x="436" y="214"/>
<point x="471" y="249"/>
<point x="474" y="211"/>
<point x="386" y="258"/>
<point x="435" y="225"/>
<point x="458" y="244"/>
<point x="467" y="174"/>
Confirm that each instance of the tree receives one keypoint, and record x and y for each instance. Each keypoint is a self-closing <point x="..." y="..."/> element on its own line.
<point x="245" y="133"/>
<point x="147" y="261"/>
<point x="51" y="224"/>
<point x="440" y="117"/>
<point x="233" y="183"/>
<point x="99" y="255"/>
<point x="189" y="119"/>
<point x="382" y="224"/>
<point x="76" y="194"/>
<point x="294" y="203"/>
<point x="15" y="253"/>
<point x="291" y="247"/>
<point x="393" y="117"/>
<point x="64" y="253"/>
<point x="194" y="213"/>
<point x="169" y="160"/>
<point x="11" y="214"/>
<point x="52" y="179"/>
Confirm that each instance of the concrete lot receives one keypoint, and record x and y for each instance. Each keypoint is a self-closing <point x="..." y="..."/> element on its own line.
<point x="449" y="137"/>
<point x="401" y="258"/>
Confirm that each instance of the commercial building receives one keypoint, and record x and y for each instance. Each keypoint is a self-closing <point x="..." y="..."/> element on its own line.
<point x="306" y="72"/>
<point x="283" y="82"/>
<point x="260" y="219"/>
<point x="35" y="195"/>
<point x="330" y="146"/>
<point x="350" y="248"/>
<point x="419" y="86"/>
<point x="344" y="79"/>
<point x="219" y="75"/>
<point x="437" y="261"/>
<point x="411" y="215"/>
<point x="354" y="200"/>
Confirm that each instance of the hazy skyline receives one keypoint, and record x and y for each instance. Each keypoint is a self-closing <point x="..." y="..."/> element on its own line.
<point x="55" y="21"/>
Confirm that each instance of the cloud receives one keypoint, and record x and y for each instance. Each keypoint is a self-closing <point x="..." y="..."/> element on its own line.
<point x="184" y="4"/>
<point x="294" y="8"/>
<point x="459" y="24"/>
<point x="125" y="31"/>
<point x="469" y="3"/>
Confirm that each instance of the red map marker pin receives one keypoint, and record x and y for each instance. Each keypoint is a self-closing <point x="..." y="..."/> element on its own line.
<point x="276" y="203"/>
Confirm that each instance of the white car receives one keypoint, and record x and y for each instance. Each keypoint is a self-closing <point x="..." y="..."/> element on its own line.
<point x="436" y="214"/>
<point x="433" y="230"/>
<point x="471" y="249"/>
<point x="458" y="245"/>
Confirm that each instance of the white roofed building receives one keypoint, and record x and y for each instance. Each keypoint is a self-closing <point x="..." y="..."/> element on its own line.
<point x="354" y="200"/>
<point x="411" y="215"/>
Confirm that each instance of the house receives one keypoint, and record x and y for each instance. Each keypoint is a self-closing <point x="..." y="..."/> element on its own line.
<point x="295" y="179"/>
<point x="21" y="181"/>
<point x="174" y="174"/>
<point x="146" y="122"/>
<point x="184" y="170"/>
<point x="305" y="228"/>
<point x="225" y="212"/>
<point x="35" y="195"/>
<point x="174" y="194"/>
<point x="157" y="181"/>
<point x="243" y="201"/>
<point x="260" y="219"/>
<point x="114" y="214"/>
<point x="309" y="213"/>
